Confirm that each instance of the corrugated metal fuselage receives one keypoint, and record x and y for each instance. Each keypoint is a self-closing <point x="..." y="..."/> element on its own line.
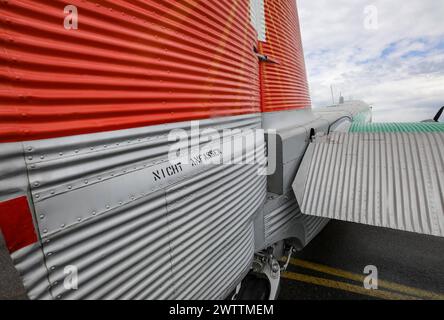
<point x="85" y="119"/>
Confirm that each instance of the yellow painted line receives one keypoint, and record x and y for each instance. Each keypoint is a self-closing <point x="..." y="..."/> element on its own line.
<point x="381" y="294"/>
<point x="358" y="277"/>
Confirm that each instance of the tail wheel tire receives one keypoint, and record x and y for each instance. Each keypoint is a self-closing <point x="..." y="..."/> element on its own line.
<point x="254" y="288"/>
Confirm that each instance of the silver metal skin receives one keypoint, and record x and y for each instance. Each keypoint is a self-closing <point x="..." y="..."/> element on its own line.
<point x="189" y="235"/>
<point x="392" y="180"/>
<point x="98" y="208"/>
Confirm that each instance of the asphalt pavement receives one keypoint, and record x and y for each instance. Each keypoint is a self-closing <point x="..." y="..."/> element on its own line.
<point x="332" y="266"/>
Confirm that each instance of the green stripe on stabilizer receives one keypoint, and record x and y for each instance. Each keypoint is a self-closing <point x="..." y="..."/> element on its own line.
<point x="397" y="127"/>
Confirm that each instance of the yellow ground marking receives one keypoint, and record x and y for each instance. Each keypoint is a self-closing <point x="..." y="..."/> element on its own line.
<point x="360" y="278"/>
<point x="381" y="294"/>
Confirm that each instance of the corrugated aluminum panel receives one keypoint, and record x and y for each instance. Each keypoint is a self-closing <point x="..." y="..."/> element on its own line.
<point x="313" y="225"/>
<point x="129" y="64"/>
<point x="283" y="220"/>
<point x="13" y="178"/>
<point x="210" y="219"/>
<point x="393" y="180"/>
<point x="284" y="81"/>
<point x="98" y="209"/>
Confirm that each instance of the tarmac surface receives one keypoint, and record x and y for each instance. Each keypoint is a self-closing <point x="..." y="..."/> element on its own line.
<point x="332" y="266"/>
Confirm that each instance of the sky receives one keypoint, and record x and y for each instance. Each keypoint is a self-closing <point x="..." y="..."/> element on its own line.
<point x="388" y="53"/>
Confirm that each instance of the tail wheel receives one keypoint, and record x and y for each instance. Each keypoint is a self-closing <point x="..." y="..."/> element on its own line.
<point x="254" y="288"/>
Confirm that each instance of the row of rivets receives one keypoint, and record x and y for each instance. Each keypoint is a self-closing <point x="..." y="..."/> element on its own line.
<point x="30" y="148"/>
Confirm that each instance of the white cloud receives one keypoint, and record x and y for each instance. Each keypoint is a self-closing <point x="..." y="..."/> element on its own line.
<point x="399" y="67"/>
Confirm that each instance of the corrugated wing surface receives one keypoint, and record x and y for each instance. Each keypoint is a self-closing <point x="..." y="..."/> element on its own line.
<point x="129" y="64"/>
<point x="397" y="127"/>
<point x="393" y="180"/>
<point x="284" y="82"/>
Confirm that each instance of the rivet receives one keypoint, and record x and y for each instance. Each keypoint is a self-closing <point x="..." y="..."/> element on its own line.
<point x="52" y="191"/>
<point x="99" y="177"/>
<point x="86" y="181"/>
<point x="32" y="166"/>
<point x="94" y="213"/>
<point x="76" y="151"/>
<point x="42" y="157"/>
<point x="49" y="254"/>
<point x="42" y="216"/>
<point x="37" y="196"/>
<point x="107" y="206"/>
<point x="69" y="187"/>
<point x="62" y="225"/>
<point x="45" y="231"/>
<point x="29" y="149"/>
<point x="59" y="297"/>
<point x="29" y="158"/>
<point x="52" y="268"/>
<point x="61" y="153"/>
<point x="79" y="219"/>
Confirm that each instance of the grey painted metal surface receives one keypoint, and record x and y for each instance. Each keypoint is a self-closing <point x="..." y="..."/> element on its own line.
<point x="393" y="180"/>
<point x="98" y="208"/>
<point x="291" y="134"/>
<point x="282" y="220"/>
<point x="14" y="182"/>
<point x="211" y="229"/>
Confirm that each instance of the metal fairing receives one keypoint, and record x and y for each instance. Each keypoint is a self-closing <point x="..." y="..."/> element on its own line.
<point x="149" y="62"/>
<point x="99" y="210"/>
<point x="283" y="220"/>
<point x="281" y="216"/>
